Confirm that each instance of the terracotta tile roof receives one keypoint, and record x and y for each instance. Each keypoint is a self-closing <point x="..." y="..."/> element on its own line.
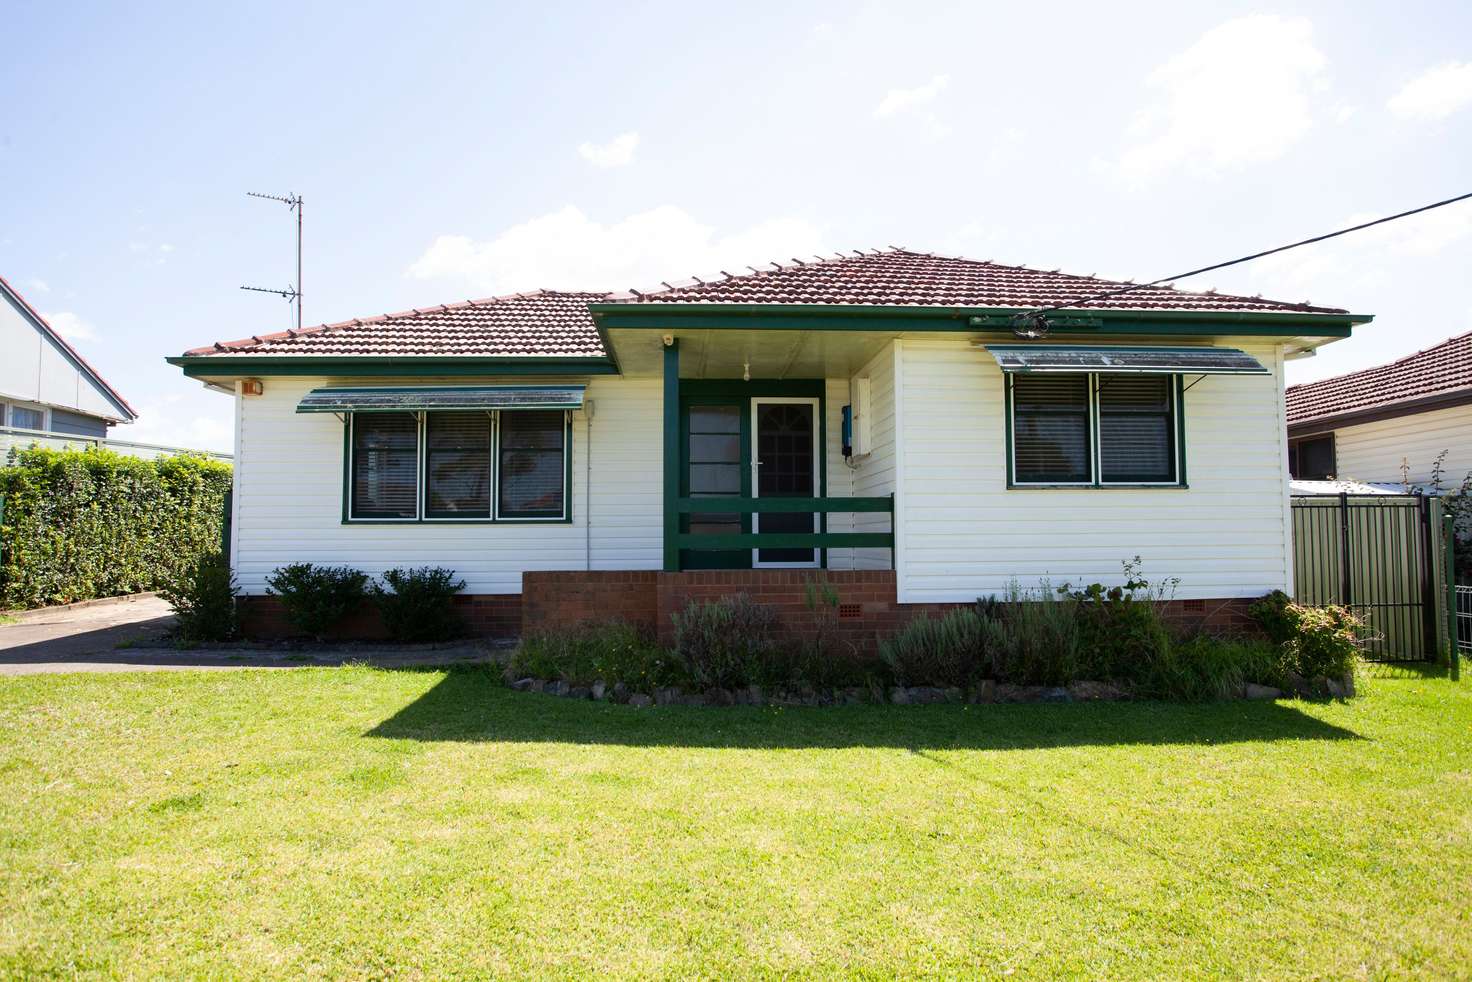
<point x="55" y="335"/>
<point x="1440" y="370"/>
<point x="543" y="323"/>
<point x="900" y="277"/>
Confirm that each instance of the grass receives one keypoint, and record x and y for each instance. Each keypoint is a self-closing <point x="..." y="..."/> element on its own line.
<point x="352" y="822"/>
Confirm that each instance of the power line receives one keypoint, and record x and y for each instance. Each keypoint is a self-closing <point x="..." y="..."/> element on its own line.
<point x="1041" y="312"/>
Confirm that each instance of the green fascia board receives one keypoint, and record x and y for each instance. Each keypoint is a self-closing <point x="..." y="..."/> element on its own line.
<point x="861" y="317"/>
<point x="207" y="366"/>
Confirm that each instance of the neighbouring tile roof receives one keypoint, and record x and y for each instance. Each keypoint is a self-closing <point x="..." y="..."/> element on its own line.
<point x="543" y="323"/>
<point x="900" y="277"/>
<point x="55" y="335"/>
<point x="1444" y="368"/>
<point x="550" y="323"/>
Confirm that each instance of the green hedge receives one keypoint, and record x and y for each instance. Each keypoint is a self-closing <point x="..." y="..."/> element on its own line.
<point x="80" y="524"/>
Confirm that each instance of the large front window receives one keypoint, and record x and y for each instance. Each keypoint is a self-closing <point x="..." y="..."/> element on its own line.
<point x="470" y="465"/>
<point x="1094" y="430"/>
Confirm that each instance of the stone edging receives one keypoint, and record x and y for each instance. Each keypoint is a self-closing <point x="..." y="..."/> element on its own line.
<point x="982" y="693"/>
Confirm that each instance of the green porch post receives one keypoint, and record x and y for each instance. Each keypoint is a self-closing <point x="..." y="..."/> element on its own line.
<point x="671" y="455"/>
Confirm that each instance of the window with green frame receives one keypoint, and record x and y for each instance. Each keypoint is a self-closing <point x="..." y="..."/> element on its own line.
<point x="1078" y="430"/>
<point x="458" y="466"/>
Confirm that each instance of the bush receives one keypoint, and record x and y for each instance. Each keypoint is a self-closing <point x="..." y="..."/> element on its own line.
<point x="953" y="650"/>
<point x="727" y="643"/>
<point x="82" y="524"/>
<point x="203" y="599"/>
<point x="417" y="604"/>
<point x="612" y="651"/>
<point x="1122" y="629"/>
<point x="1316" y="641"/>
<point x="317" y="597"/>
<point x="1037" y="638"/>
<point x="1203" y="668"/>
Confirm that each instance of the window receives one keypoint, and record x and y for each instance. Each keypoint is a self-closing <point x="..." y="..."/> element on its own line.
<point x="1137" y="439"/>
<point x="27" y="419"/>
<point x="1094" y="430"/>
<point x="1312" y="459"/>
<point x="385" y="465"/>
<point x="531" y="464"/>
<point x="468" y="465"/>
<point x="457" y="465"/>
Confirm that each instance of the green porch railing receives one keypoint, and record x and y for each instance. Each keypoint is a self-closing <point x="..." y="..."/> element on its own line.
<point x="785" y="540"/>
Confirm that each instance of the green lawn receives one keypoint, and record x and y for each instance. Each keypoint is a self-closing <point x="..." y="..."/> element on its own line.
<point x="362" y="823"/>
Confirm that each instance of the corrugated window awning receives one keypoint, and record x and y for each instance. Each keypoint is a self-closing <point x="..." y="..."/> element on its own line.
<point x="1151" y="360"/>
<point x="398" y="399"/>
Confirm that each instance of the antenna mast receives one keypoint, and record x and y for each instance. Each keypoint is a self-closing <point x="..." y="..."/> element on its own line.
<point x="293" y="294"/>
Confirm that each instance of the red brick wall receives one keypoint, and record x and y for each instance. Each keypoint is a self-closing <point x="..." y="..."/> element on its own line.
<point x="648" y="599"/>
<point x="563" y="599"/>
<point x="486" y="615"/>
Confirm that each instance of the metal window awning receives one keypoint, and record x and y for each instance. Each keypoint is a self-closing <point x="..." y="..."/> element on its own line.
<point x="1121" y="358"/>
<point x="399" y="399"/>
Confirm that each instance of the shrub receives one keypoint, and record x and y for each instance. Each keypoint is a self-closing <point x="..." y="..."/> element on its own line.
<point x="1316" y="641"/>
<point x="613" y="651"/>
<point x="417" y="604"/>
<point x="81" y="524"/>
<point x="203" y="599"/>
<point x="1203" y="668"/>
<point x="727" y="643"/>
<point x="953" y="650"/>
<point x="1122" y="629"/>
<point x="1327" y="641"/>
<point x="1037" y="640"/>
<point x="317" y="597"/>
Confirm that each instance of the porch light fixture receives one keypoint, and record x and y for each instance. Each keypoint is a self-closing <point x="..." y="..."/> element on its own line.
<point x="252" y="387"/>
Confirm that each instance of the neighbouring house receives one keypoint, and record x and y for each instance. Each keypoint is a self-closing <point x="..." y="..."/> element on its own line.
<point x="883" y="419"/>
<point x="1387" y="426"/>
<point x="47" y="390"/>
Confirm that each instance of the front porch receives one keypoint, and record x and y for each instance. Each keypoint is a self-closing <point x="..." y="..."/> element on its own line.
<point x="746" y="469"/>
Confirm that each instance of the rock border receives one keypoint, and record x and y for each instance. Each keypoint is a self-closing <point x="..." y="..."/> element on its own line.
<point x="985" y="692"/>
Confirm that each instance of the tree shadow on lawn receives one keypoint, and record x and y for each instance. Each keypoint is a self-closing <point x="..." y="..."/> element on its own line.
<point x="471" y="705"/>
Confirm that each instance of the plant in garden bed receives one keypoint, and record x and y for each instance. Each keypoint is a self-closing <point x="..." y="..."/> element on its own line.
<point x="613" y="652"/>
<point x="952" y="650"/>
<point x="1037" y="638"/>
<point x="1317" y="642"/>
<point x="203" y="600"/>
<point x="727" y="643"/>
<point x="317" y="597"/>
<point x="417" y="604"/>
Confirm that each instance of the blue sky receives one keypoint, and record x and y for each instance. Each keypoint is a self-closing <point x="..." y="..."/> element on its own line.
<point x="455" y="151"/>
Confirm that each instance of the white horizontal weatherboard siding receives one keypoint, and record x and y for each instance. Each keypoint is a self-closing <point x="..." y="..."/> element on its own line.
<point x="963" y="533"/>
<point x="289" y="485"/>
<point x="1376" y="451"/>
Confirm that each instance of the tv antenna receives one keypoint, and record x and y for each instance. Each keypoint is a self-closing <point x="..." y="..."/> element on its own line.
<point x="292" y="293"/>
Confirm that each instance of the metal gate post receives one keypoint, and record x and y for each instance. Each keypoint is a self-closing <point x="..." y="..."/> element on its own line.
<point x="1345" y="580"/>
<point x="1428" y="577"/>
<point x="1454" y="656"/>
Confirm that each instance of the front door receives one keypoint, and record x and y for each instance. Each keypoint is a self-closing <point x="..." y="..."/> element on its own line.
<point x="784" y="465"/>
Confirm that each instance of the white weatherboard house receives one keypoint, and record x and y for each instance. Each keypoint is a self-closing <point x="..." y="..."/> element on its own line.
<point x="1387" y="425"/>
<point x="879" y="415"/>
<point x="47" y="390"/>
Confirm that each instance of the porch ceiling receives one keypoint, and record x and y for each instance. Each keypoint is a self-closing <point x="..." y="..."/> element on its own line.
<point x="771" y="354"/>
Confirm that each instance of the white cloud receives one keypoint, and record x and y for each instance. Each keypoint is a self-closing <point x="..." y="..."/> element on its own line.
<point x="617" y="152"/>
<point x="166" y="247"/>
<point x="39" y="285"/>
<point x="1242" y="94"/>
<point x="70" y="326"/>
<point x="1436" y="93"/>
<point x="898" y="101"/>
<point x="567" y="250"/>
<point x="206" y="424"/>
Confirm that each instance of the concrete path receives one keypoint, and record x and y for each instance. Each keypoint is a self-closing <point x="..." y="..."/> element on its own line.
<point x="128" y="634"/>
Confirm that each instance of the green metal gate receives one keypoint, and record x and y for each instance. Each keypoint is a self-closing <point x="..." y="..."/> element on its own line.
<point x="1381" y="555"/>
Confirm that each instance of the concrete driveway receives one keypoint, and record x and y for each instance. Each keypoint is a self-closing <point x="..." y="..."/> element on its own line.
<point x="129" y="634"/>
